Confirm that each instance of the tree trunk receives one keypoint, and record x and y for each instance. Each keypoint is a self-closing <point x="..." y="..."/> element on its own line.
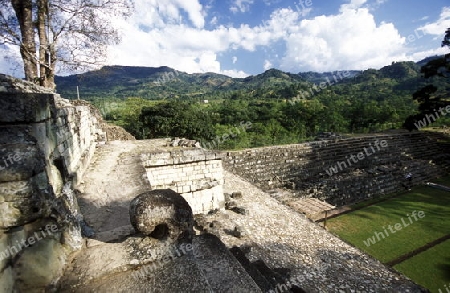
<point x="24" y="13"/>
<point x="47" y="52"/>
<point x="43" y="41"/>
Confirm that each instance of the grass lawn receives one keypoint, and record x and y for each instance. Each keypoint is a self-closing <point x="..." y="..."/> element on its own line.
<point x="431" y="268"/>
<point x="356" y="227"/>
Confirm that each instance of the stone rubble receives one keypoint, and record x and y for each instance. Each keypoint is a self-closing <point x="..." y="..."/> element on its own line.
<point x="283" y="238"/>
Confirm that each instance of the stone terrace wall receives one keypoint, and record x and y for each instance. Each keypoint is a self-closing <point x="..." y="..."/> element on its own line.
<point x="302" y="167"/>
<point x="194" y="173"/>
<point x="45" y="144"/>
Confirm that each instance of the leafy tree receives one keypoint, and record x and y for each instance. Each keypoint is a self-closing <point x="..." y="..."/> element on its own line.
<point x="177" y="119"/>
<point x="72" y="32"/>
<point x="431" y="98"/>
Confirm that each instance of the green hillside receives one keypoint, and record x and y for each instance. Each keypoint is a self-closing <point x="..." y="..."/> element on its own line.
<point x="282" y="107"/>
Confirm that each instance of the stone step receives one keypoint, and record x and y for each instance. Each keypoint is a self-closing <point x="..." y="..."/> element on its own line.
<point x="205" y="266"/>
<point x="263" y="283"/>
<point x="223" y="272"/>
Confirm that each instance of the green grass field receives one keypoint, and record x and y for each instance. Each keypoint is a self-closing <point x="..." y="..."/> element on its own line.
<point x="431" y="268"/>
<point x="360" y="225"/>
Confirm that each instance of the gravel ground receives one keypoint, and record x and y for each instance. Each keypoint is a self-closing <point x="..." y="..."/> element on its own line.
<point x="284" y="239"/>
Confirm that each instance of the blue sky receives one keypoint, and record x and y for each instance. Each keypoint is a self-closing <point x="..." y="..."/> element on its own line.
<point x="247" y="37"/>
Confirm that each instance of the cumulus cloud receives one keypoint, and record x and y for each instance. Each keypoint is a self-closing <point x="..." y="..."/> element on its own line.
<point x="438" y="28"/>
<point x="187" y="48"/>
<point x="351" y="39"/>
<point x="172" y="33"/>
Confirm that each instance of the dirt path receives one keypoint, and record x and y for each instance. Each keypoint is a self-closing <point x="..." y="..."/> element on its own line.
<point x="114" y="178"/>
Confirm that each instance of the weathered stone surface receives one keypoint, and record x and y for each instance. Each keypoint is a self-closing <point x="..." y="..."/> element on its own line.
<point x="301" y="251"/>
<point x="17" y="134"/>
<point x="9" y="84"/>
<point x="236" y="194"/>
<point x="4" y="253"/>
<point x="20" y="162"/>
<point x="7" y="280"/>
<point x="28" y="107"/>
<point x="45" y="143"/>
<point x="149" y="265"/>
<point x="21" y="202"/>
<point x="305" y="168"/>
<point x="199" y="180"/>
<point x="162" y="214"/>
<point x="40" y="265"/>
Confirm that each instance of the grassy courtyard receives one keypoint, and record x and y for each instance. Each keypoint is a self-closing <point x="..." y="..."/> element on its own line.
<point x="390" y="229"/>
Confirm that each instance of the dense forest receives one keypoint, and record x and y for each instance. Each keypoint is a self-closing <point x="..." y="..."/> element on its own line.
<point x="274" y="107"/>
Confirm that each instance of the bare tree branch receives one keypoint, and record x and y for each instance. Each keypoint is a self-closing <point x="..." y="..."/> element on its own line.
<point x="71" y="33"/>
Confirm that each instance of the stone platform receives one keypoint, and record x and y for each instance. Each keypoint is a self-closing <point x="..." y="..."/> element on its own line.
<point x="119" y="171"/>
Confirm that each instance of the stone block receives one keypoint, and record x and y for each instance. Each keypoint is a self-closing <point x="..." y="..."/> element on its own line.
<point x="23" y="201"/>
<point x="162" y="214"/>
<point x="186" y="188"/>
<point x="40" y="264"/>
<point x="16" y="134"/>
<point x="24" y="107"/>
<point x="7" y="280"/>
<point x="20" y="162"/>
<point x="4" y="253"/>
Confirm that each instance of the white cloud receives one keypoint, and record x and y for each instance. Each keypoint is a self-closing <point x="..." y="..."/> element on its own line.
<point x="350" y="40"/>
<point x="271" y="2"/>
<point x="214" y="20"/>
<point x="194" y="10"/>
<point x="438" y="28"/>
<point x="241" y="6"/>
<point x="427" y="53"/>
<point x="10" y="61"/>
<point x="172" y="33"/>
<point x="354" y="4"/>
<point x="235" y="73"/>
<point x="154" y="13"/>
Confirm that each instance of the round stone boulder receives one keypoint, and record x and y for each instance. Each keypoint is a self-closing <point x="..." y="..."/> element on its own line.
<point x="162" y="214"/>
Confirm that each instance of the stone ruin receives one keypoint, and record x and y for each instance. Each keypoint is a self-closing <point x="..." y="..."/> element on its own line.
<point x="143" y="215"/>
<point x="302" y="168"/>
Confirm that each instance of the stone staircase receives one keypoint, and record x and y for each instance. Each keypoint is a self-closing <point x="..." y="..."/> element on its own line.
<point x="305" y="168"/>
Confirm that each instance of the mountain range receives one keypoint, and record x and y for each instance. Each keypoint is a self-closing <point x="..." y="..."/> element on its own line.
<point x="165" y="82"/>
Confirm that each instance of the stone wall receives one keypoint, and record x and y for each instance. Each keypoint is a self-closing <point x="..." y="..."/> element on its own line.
<point x="194" y="173"/>
<point x="45" y="145"/>
<point x="303" y="167"/>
